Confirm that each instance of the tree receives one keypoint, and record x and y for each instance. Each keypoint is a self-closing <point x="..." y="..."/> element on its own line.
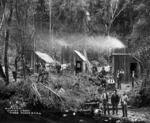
<point x="7" y="9"/>
<point x="16" y="29"/>
<point x="24" y="31"/>
<point x="140" y="36"/>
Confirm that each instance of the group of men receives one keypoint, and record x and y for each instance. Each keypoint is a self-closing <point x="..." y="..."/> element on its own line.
<point x="115" y="99"/>
<point x="120" y="76"/>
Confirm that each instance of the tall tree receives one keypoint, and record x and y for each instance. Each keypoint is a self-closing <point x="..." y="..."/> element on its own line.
<point x="24" y="30"/>
<point x="140" y="36"/>
<point x="6" y="19"/>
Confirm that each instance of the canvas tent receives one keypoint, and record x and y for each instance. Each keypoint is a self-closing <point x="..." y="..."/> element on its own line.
<point x="45" y="57"/>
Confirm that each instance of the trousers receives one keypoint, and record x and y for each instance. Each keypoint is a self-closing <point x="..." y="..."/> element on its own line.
<point x="124" y="110"/>
<point x="115" y="108"/>
<point x="106" y="108"/>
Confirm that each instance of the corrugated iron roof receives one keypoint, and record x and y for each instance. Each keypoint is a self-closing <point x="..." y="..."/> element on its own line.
<point x="45" y="57"/>
<point x="80" y="55"/>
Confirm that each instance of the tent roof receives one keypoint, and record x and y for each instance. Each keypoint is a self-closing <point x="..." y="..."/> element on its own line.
<point x="80" y="55"/>
<point x="45" y="57"/>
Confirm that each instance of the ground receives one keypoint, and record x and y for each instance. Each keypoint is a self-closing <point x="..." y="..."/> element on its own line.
<point x="133" y="114"/>
<point x="137" y="113"/>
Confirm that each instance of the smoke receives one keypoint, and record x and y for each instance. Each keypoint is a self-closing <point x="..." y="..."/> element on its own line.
<point x="104" y="42"/>
<point x="96" y="42"/>
<point x="61" y="42"/>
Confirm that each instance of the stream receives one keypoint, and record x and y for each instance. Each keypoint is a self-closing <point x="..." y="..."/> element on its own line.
<point x="32" y="114"/>
<point x="49" y="116"/>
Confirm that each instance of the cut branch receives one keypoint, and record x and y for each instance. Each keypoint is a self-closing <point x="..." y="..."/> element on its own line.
<point x="51" y="91"/>
<point x="36" y="90"/>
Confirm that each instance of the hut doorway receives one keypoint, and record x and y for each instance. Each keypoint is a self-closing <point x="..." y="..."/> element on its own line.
<point x="133" y="67"/>
<point x="78" y="66"/>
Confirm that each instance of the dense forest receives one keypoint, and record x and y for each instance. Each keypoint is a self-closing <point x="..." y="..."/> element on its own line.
<point x="22" y="22"/>
<point x="45" y="25"/>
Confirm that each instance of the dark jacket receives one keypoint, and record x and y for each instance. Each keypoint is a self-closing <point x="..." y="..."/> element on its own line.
<point x="103" y="72"/>
<point x="115" y="99"/>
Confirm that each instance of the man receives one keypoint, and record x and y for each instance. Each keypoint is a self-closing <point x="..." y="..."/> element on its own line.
<point x="124" y="101"/>
<point x="103" y="72"/>
<point x="46" y="72"/>
<point x="41" y="74"/>
<point x="38" y="65"/>
<point x="97" y="101"/>
<point x="115" y="101"/>
<point x="27" y="68"/>
<point x="94" y="70"/>
<point x="133" y="78"/>
<point x="121" y="76"/>
<point x="103" y="82"/>
<point x="118" y="79"/>
<point x="111" y="83"/>
<point x="105" y="102"/>
<point x="58" y="68"/>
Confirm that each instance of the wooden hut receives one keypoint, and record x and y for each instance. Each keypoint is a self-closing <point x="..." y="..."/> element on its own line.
<point x="75" y="57"/>
<point x="80" y="62"/>
<point x="32" y="58"/>
<point x="128" y="63"/>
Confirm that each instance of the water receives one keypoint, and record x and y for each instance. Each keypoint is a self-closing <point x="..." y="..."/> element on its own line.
<point x="51" y="116"/>
<point x="47" y="116"/>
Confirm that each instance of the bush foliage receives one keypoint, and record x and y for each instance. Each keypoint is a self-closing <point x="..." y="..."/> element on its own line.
<point x="140" y="96"/>
<point x="66" y="92"/>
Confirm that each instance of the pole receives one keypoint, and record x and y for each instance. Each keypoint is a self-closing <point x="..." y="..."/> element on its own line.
<point x="33" y="48"/>
<point x="50" y="26"/>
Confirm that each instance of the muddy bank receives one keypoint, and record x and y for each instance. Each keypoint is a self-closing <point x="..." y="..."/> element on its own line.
<point x="48" y="115"/>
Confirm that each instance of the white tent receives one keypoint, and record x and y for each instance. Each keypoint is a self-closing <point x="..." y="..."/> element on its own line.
<point x="45" y="57"/>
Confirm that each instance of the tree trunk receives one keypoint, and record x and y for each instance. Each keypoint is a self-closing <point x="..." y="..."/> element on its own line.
<point x="23" y="64"/>
<point x="7" y="38"/>
<point x="2" y="74"/>
<point x="16" y="69"/>
<point x="6" y="56"/>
